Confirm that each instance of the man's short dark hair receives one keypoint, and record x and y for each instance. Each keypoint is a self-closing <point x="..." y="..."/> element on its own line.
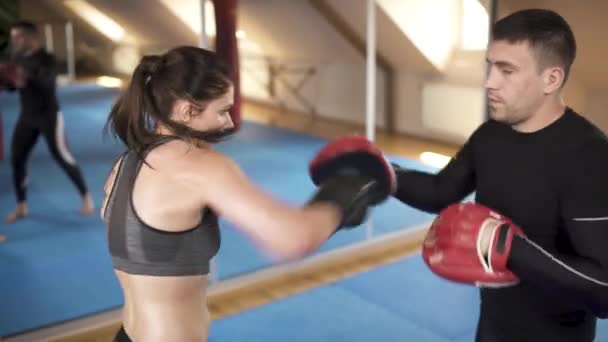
<point x="26" y="26"/>
<point x="545" y="31"/>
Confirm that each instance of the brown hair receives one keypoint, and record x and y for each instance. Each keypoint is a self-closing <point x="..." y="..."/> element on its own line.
<point x="185" y="72"/>
<point x="545" y="30"/>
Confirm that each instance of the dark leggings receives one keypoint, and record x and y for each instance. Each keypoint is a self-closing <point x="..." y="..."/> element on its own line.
<point x="24" y="138"/>
<point x="121" y="336"/>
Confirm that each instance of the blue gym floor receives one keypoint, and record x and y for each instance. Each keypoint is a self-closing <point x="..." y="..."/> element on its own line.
<point x="401" y="301"/>
<point x="55" y="266"/>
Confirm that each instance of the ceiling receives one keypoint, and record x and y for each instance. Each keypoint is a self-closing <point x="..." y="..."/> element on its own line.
<point x="293" y="30"/>
<point x="391" y="42"/>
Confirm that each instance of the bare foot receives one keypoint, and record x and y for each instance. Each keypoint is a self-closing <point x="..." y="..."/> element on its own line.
<point x="88" y="206"/>
<point x="17" y="214"/>
<point x="2" y="238"/>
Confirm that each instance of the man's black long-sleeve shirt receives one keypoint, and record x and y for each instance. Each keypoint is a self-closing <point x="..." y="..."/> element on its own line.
<point x="554" y="184"/>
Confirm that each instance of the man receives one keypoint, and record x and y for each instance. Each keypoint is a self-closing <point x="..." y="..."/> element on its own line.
<point x="40" y="114"/>
<point x="543" y="166"/>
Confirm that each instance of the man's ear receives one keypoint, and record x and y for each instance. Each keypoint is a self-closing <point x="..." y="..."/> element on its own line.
<point x="553" y="79"/>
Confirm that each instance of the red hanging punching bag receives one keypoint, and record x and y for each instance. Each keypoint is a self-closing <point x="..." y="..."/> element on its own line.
<point x="226" y="46"/>
<point x="1" y="139"/>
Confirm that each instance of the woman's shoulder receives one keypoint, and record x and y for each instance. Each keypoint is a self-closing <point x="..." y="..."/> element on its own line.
<point x="191" y="161"/>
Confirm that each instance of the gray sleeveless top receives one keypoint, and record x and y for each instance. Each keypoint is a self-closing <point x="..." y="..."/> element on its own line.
<point x="137" y="248"/>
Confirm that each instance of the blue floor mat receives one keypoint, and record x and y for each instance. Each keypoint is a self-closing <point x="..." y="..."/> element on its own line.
<point x="56" y="267"/>
<point x="401" y="301"/>
<point x="326" y="314"/>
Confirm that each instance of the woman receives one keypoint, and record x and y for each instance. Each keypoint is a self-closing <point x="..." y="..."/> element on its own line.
<point x="165" y="194"/>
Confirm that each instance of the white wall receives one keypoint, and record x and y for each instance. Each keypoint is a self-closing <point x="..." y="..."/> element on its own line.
<point x="408" y="103"/>
<point x="254" y="78"/>
<point x="575" y="94"/>
<point x="597" y="110"/>
<point x="336" y="90"/>
<point x="437" y="110"/>
<point x="342" y="93"/>
<point x="297" y="36"/>
<point x="453" y="110"/>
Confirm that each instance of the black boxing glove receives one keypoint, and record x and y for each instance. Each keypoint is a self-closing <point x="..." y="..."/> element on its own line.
<point x="353" y="175"/>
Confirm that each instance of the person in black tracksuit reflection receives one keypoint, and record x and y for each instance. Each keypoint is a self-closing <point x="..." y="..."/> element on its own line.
<point x="40" y="115"/>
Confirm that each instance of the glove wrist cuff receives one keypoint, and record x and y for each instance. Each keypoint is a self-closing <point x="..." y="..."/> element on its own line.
<point x="343" y="195"/>
<point x="500" y="248"/>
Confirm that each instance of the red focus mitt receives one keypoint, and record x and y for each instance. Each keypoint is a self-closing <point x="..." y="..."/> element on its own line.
<point x="354" y="156"/>
<point x="353" y="174"/>
<point x="470" y="243"/>
<point x="11" y="75"/>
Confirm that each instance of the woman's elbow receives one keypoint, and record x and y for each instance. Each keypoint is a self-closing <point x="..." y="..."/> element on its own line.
<point x="289" y="249"/>
<point x="298" y="242"/>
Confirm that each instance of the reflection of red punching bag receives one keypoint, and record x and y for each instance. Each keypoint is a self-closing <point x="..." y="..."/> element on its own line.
<point x="1" y="139"/>
<point x="226" y="47"/>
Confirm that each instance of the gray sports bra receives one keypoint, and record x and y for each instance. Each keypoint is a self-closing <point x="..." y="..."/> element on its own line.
<point x="137" y="248"/>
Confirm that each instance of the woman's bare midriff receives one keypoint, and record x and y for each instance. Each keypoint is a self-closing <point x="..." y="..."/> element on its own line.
<point x="162" y="308"/>
<point x="165" y="308"/>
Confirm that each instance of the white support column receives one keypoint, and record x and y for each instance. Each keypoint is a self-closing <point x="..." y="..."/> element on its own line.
<point x="370" y="113"/>
<point x="48" y="37"/>
<point x="370" y="99"/>
<point x="203" y="43"/>
<point x="70" y="53"/>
